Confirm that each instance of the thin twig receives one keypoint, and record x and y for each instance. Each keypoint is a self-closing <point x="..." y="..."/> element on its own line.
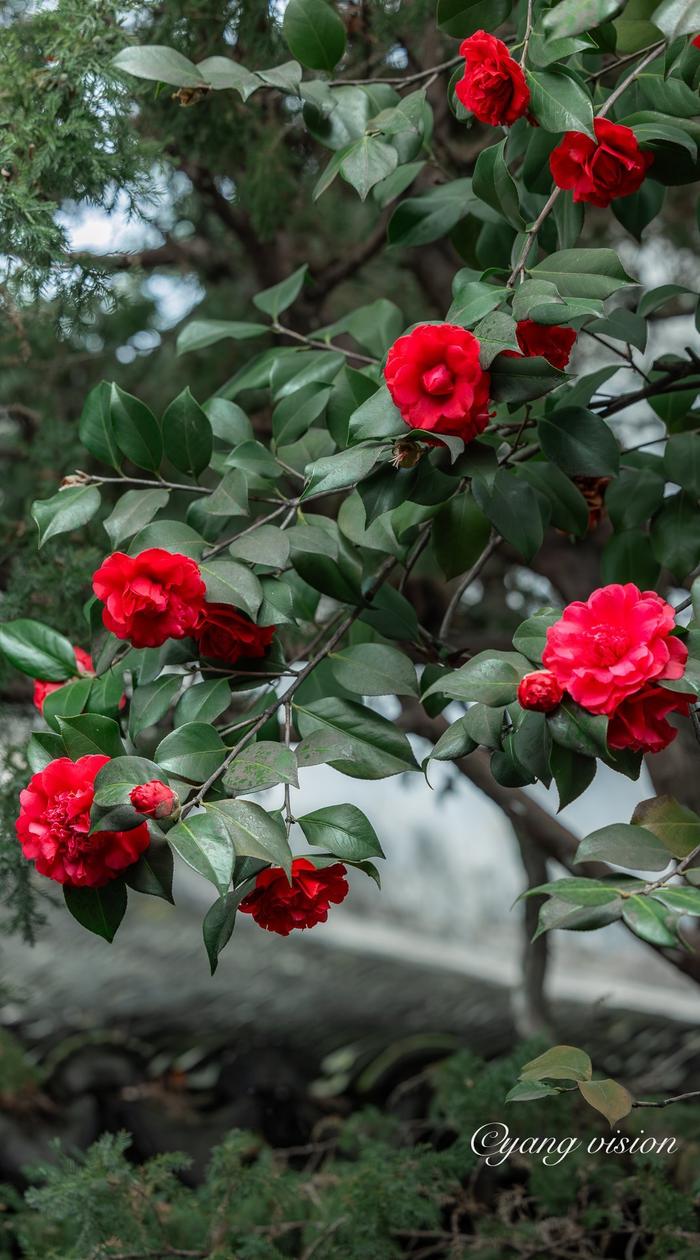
<point x="321" y="345"/>
<point x="89" y="479"/>
<point x="494" y="541"/>
<point x="399" y="80"/>
<point x="623" y="86"/>
<point x="695" y="1093"/>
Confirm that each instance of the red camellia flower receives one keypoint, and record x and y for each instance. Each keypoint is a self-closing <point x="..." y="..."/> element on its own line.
<point x="540" y="690"/>
<point x="84" y="668"/>
<point x="434" y="376"/>
<point x="605" y="650"/>
<point x="155" y="800"/>
<point x="151" y="597"/>
<point x="493" y="86"/>
<point x="224" y="634"/>
<point x="598" y="171"/>
<point x="54" y="824"/>
<point x="281" y="906"/>
<point x="640" y="721"/>
<point x="552" y="342"/>
<point x="696" y="42"/>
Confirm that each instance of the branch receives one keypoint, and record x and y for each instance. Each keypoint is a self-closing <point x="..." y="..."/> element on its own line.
<point x="320" y="345"/>
<point x="666" y="1102"/>
<point x="399" y="80"/>
<point x="494" y="541"/>
<point x="668" y="384"/>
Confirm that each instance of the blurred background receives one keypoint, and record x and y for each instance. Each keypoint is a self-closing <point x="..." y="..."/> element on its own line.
<point x="124" y="213"/>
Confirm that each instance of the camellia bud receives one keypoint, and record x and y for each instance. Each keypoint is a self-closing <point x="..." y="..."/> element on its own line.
<point x="406" y="453"/>
<point x="155" y="800"/>
<point x="78" y="478"/>
<point x="540" y="691"/>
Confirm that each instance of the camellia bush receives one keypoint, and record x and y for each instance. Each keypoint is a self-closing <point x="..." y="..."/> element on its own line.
<point x="254" y="598"/>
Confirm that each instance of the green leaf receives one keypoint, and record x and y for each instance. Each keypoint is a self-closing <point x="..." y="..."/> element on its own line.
<point x="521" y="380"/>
<point x="193" y="751"/>
<point x="314" y="33"/>
<point x="494" y="184"/>
<point x="158" y="62"/>
<point x="68" y="701"/>
<point x="420" y="220"/>
<point x="280" y="296"/>
<point x="344" y="469"/>
<point x="90" y="733"/>
<point x="134" y="510"/>
<point x="681" y="461"/>
<point x="204" y="844"/>
<point x="627" y="558"/>
<point x="463" y="17"/>
<point x="67" y="510"/>
<point x="682" y="900"/>
<point x="566" y="1063"/>
<point x="365" y="162"/>
<point x="530" y="1092"/>
<point x="569" y="510"/>
<point x="115" y="781"/>
<point x="677" y="17"/>
<point x="151" y="702"/>
<point x="579" y="442"/>
<point x="379" y="749"/>
<point x="490" y="677"/>
<point x="230" y="497"/>
<point x="378" y="417"/>
<point x="204" y="702"/>
<point x="495" y="333"/>
<point x="578" y="730"/>
<point x="260" y="766"/>
<point x="571" y="17"/>
<point x="675" y="825"/>
<point x="153" y="873"/>
<point x="344" y="831"/>
<point x="472" y="301"/>
<point x="222" y="73"/>
<point x="286" y="77"/>
<point x="374" y="669"/>
<point x="514" y="510"/>
<point x="95" y="428"/>
<point x="633" y="497"/>
<point x="583" y="273"/>
<point x="649" y="920"/>
<point x="267" y="545"/>
<point x="572" y="772"/>
<point x="675" y="534"/>
<point x="37" y="650"/>
<point x="43" y="747"/>
<point x="100" y="910"/>
<point x="531" y="635"/>
<point x="218" y="925"/>
<point x="455" y="742"/>
<point x="200" y="333"/>
<point x="612" y="1100"/>
<point x="228" y="582"/>
<point x="187" y="434"/>
<point x="321" y="746"/>
<point x="557" y="101"/>
<point x="580" y="892"/>
<point x="633" y="848"/>
<point x="253" y="832"/>
<point x="460" y="533"/>
<point x="562" y="915"/>
<point x="484" y="724"/>
<point x="136" y="430"/>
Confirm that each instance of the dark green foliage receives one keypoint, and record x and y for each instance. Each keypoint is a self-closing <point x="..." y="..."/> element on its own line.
<point x="372" y="1186"/>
